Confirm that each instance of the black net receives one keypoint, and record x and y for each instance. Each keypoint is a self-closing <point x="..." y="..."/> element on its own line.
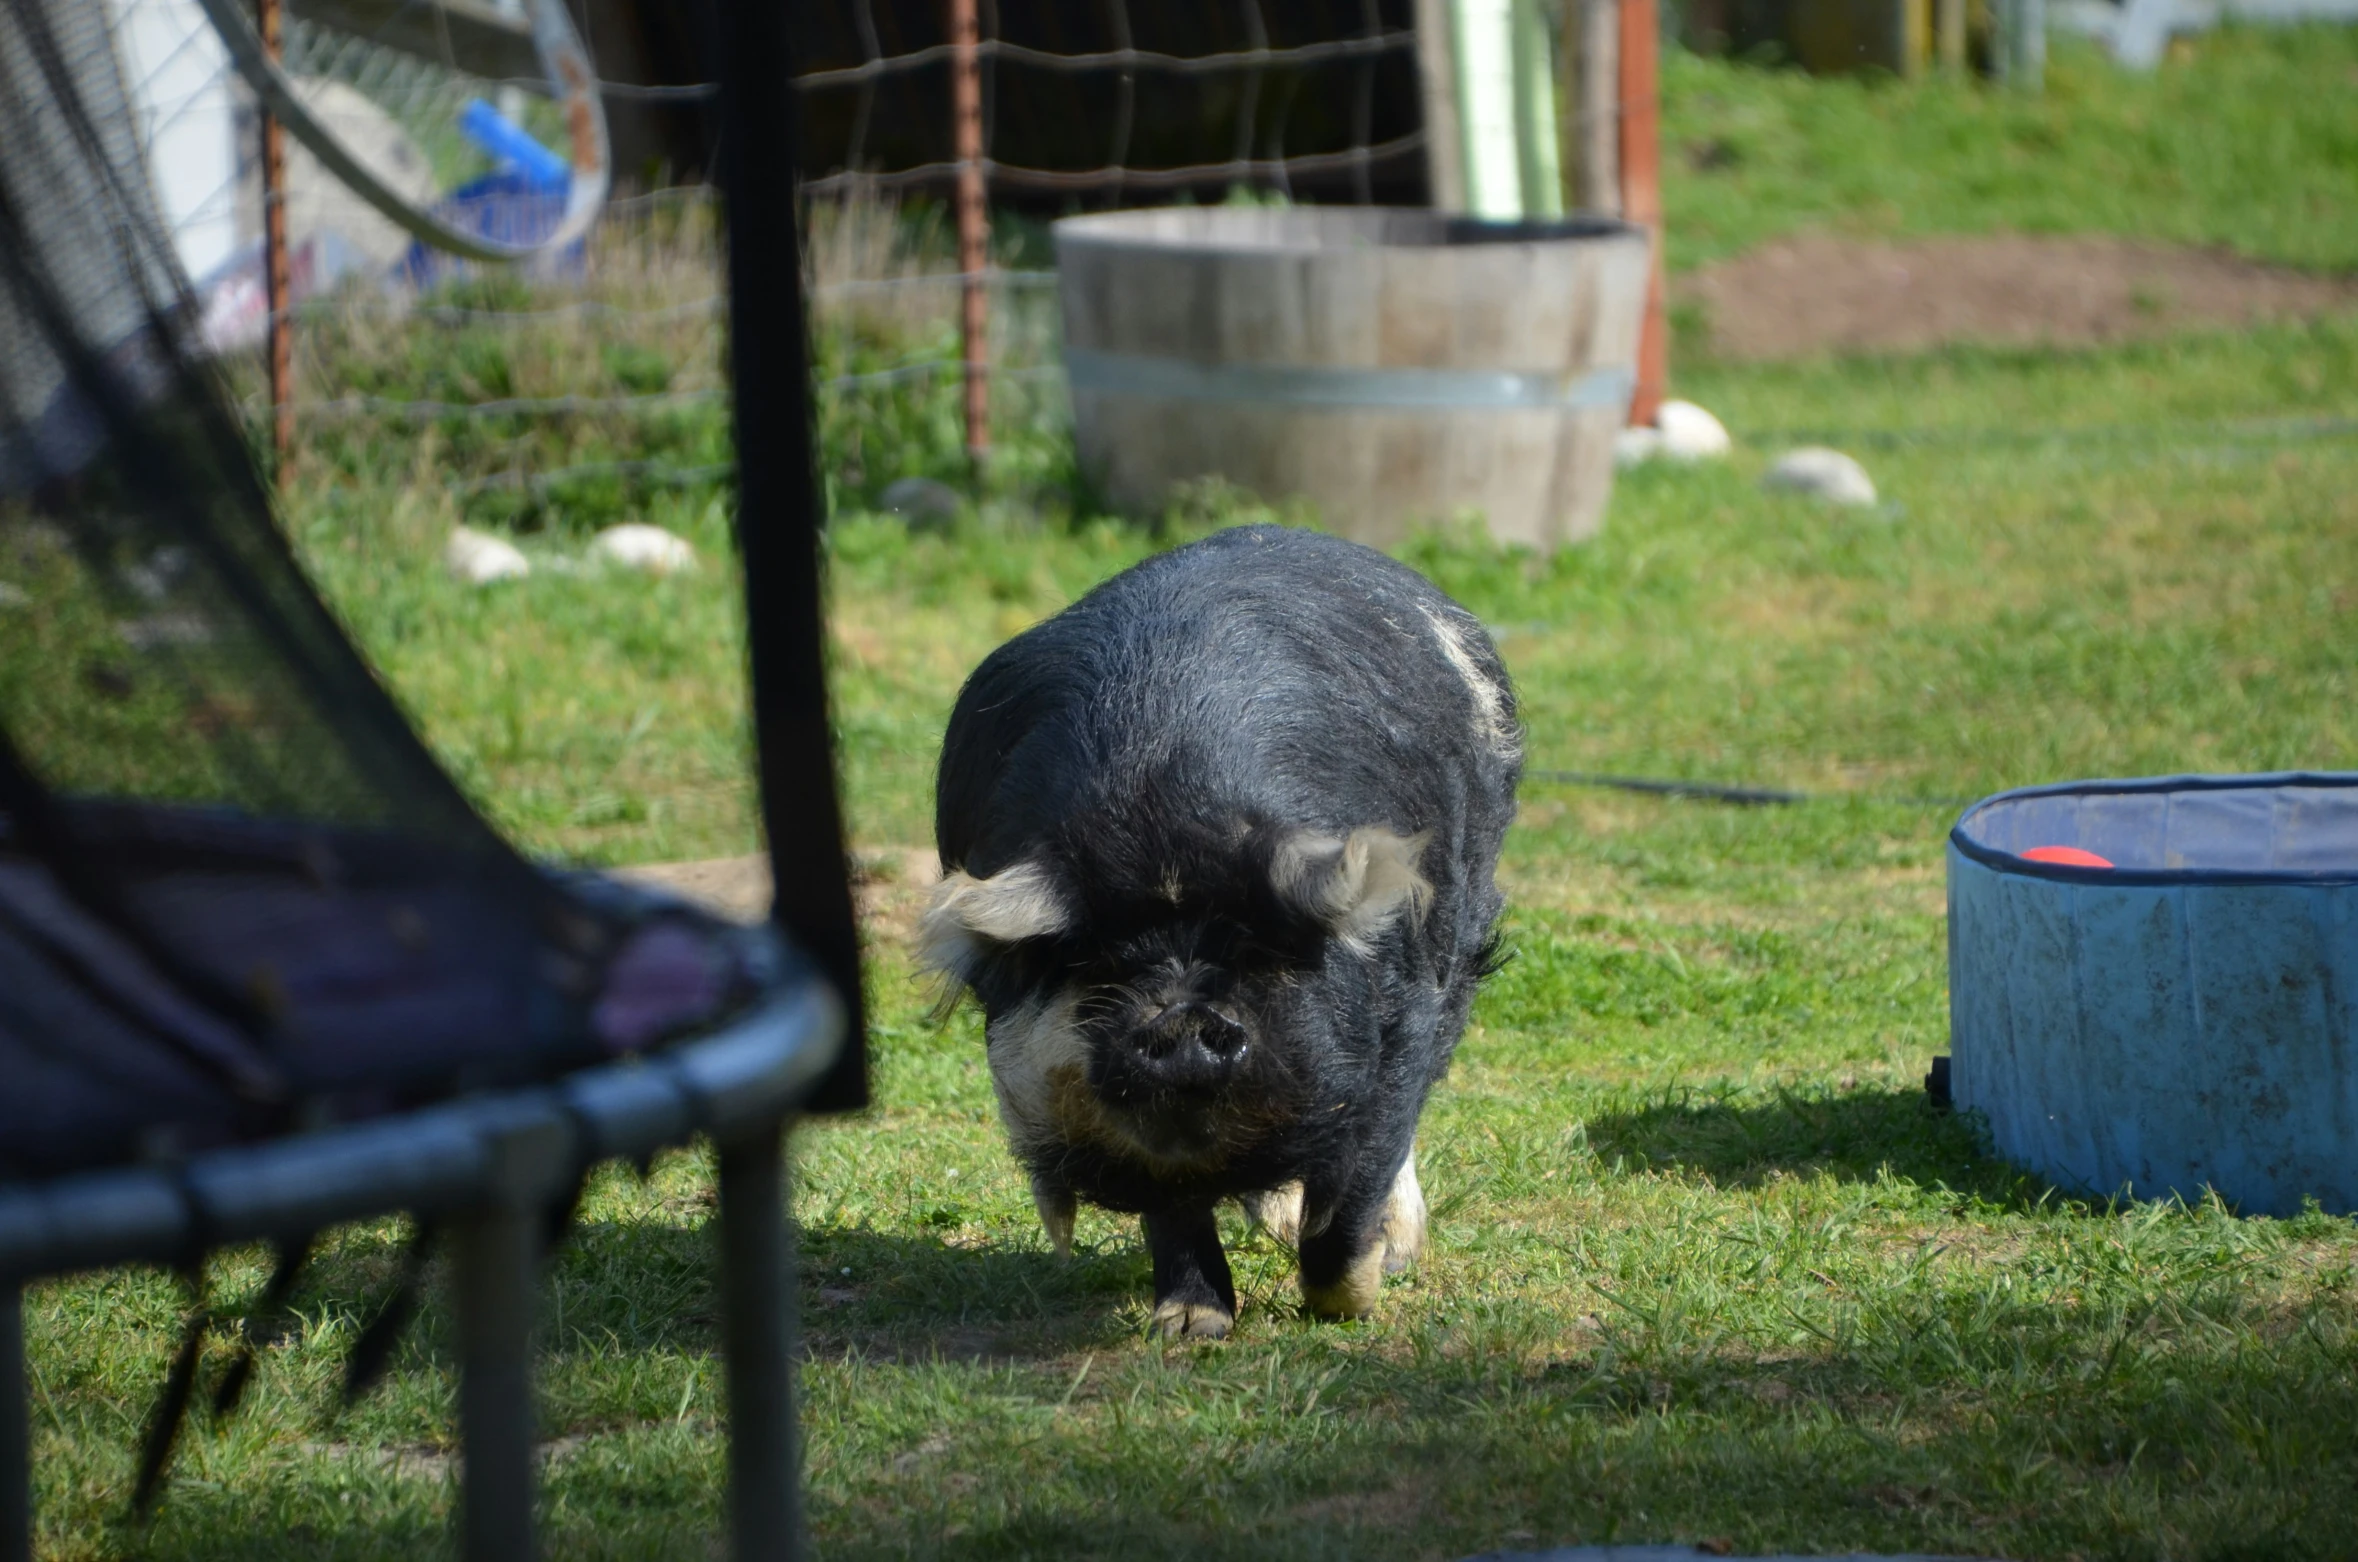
<point x="236" y="891"/>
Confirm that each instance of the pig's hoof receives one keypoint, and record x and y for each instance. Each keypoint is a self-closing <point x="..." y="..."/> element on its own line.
<point x="1278" y="1212"/>
<point x="1354" y="1294"/>
<point x="1178" y="1320"/>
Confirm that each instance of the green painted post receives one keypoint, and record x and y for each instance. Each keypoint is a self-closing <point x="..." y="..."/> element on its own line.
<point x="1537" y="160"/>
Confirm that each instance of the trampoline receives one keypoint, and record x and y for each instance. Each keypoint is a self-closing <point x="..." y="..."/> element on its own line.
<point x="263" y="967"/>
<point x="2182" y="1021"/>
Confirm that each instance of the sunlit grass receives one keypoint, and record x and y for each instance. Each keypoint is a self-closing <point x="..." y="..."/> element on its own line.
<point x="2242" y="140"/>
<point x="1705" y="1265"/>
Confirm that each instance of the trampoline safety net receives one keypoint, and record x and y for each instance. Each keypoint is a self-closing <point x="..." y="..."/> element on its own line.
<point x="237" y="894"/>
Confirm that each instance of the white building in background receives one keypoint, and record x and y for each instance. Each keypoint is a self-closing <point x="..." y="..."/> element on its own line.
<point x="184" y="91"/>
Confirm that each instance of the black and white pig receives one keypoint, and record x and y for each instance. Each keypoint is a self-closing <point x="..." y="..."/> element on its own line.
<point x="1218" y="846"/>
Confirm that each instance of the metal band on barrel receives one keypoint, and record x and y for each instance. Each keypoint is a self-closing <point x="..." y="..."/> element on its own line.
<point x="1324" y="385"/>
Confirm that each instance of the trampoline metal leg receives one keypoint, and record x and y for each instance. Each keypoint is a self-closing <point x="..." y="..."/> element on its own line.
<point x="494" y="1261"/>
<point x="16" y="1430"/>
<point x="757" y="1319"/>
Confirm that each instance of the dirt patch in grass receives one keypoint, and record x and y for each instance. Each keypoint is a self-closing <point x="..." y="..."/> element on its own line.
<point x="1818" y="293"/>
<point x="891" y="883"/>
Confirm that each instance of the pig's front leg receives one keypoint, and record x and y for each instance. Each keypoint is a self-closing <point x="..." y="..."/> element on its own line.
<point x="1369" y="1227"/>
<point x="1193" y="1296"/>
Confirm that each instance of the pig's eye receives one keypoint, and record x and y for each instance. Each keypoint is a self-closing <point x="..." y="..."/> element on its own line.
<point x="1003" y="974"/>
<point x="1240" y="946"/>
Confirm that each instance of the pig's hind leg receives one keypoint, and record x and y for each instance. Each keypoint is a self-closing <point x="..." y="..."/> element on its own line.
<point x="1278" y="1212"/>
<point x="1404" y="1217"/>
<point x="1193" y="1295"/>
<point x="1057" y="1208"/>
<point x="1357" y="1235"/>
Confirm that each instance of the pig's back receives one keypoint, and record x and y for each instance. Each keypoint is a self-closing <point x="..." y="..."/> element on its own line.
<point x="1290" y="675"/>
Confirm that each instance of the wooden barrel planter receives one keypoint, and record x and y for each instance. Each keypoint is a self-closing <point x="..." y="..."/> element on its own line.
<point x="1395" y="368"/>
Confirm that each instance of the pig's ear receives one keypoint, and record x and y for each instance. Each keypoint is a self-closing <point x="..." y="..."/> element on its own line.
<point x="969" y="914"/>
<point x="1358" y="885"/>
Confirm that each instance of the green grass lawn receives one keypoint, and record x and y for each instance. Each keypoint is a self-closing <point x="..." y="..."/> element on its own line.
<point x="2243" y="140"/>
<point x="1704" y="1264"/>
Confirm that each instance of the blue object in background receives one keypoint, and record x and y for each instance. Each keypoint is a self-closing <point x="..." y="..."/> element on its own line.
<point x="521" y="204"/>
<point x="2185" y="1020"/>
<point x="513" y="146"/>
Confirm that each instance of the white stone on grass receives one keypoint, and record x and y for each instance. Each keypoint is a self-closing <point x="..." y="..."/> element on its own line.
<point x="636" y="545"/>
<point x="479" y="558"/>
<point x="1691" y="434"/>
<point x="1681" y="431"/>
<point x="1822" y="474"/>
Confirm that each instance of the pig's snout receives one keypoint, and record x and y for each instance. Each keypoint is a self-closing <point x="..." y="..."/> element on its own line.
<point x="1189" y="1045"/>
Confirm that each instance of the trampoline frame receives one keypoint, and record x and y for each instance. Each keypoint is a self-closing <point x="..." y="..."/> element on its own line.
<point x="494" y="1166"/>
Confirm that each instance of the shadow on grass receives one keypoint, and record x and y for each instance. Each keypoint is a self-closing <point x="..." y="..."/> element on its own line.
<point x="653" y="1286"/>
<point x="903" y="1298"/>
<point x="1427" y="1434"/>
<point x="1742" y="1139"/>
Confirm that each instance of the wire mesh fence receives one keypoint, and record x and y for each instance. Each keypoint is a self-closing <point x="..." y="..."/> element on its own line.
<point x="937" y="145"/>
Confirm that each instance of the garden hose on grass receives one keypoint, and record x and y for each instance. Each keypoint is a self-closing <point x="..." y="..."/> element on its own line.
<point x="1738" y="796"/>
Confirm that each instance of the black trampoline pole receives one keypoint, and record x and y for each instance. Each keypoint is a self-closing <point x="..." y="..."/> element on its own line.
<point x="16" y="1429"/>
<point x="778" y="514"/>
<point x="757" y="1328"/>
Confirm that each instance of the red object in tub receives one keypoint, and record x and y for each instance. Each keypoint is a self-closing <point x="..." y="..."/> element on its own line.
<point x="2068" y="856"/>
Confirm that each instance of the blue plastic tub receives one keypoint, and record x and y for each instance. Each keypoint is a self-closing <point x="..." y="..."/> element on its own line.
<point x="2185" y="1020"/>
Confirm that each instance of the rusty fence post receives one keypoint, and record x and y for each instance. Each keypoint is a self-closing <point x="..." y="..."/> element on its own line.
<point x="276" y="281"/>
<point x="974" y="224"/>
<point x="1641" y="190"/>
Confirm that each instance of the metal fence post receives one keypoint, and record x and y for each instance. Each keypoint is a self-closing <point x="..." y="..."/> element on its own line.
<point x="1641" y="190"/>
<point x="974" y="223"/>
<point x="757" y="1323"/>
<point x="277" y="283"/>
<point x="16" y="1429"/>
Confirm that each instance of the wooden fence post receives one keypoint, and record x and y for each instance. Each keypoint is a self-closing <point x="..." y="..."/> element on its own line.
<point x="1948" y="35"/>
<point x="1436" y="68"/>
<point x="1592" y="100"/>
